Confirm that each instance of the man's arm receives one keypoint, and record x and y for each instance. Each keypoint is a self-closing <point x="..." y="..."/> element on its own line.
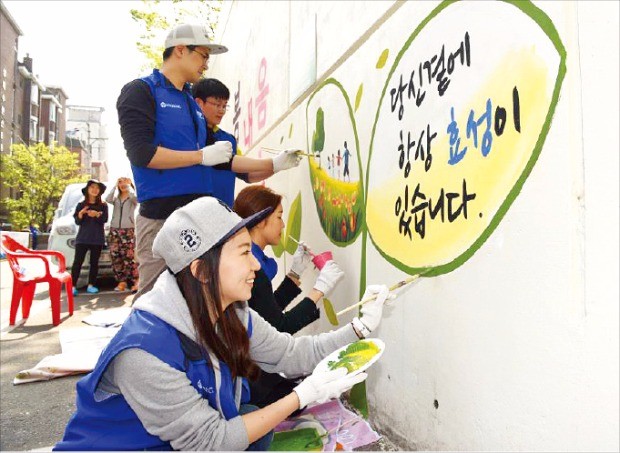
<point x="244" y="164"/>
<point x="137" y="117"/>
<point x="255" y="169"/>
<point x="257" y="176"/>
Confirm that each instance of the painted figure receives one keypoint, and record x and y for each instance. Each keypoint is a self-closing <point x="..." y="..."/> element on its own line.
<point x="346" y="155"/>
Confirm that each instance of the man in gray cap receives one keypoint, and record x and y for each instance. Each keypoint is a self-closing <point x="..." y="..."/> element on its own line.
<point x="164" y="133"/>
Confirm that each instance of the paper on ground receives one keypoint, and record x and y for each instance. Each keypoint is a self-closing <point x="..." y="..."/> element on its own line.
<point x="81" y="348"/>
<point x="107" y="318"/>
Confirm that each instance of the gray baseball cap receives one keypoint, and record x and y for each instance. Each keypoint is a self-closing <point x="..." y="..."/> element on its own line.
<point x="192" y="35"/>
<point x="196" y="228"/>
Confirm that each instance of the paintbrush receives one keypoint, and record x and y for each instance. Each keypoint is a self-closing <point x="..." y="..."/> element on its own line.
<point x="400" y="284"/>
<point x="278" y="151"/>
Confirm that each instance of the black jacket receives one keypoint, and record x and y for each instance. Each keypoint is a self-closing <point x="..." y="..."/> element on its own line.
<point x="270" y="387"/>
<point x="91" y="228"/>
<point x="270" y="305"/>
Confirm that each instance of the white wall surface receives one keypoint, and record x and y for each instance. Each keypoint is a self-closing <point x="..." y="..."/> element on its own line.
<point x="519" y="345"/>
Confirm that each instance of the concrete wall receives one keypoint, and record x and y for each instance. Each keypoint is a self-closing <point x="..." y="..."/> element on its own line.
<point x="510" y="341"/>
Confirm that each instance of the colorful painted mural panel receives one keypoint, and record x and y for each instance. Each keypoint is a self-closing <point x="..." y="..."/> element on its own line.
<point x="461" y="122"/>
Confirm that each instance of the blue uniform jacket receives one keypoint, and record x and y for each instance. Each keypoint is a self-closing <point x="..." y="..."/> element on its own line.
<point x="107" y="422"/>
<point x="180" y="126"/>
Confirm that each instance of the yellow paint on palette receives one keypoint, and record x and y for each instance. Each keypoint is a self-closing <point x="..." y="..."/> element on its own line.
<point x="491" y="178"/>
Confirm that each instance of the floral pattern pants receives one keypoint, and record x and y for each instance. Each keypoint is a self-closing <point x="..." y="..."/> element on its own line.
<point x="122" y="244"/>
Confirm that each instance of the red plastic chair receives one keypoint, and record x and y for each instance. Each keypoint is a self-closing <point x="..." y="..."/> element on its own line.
<point x="27" y="272"/>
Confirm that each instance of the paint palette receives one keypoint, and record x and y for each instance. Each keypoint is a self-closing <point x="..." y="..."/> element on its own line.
<point x="356" y="357"/>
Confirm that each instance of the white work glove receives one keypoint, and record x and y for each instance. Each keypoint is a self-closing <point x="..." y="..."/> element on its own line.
<point x="218" y="153"/>
<point x="328" y="278"/>
<point x="301" y="259"/>
<point x="371" y="311"/>
<point x="325" y="386"/>
<point x="285" y="160"/>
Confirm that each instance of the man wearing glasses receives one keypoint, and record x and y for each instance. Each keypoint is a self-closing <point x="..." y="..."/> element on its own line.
<point x="212" y="97"/>
<point x="164" y="134"/>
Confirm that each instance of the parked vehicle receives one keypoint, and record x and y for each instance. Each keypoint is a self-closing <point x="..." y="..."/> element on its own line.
<point x="64" y="230"/>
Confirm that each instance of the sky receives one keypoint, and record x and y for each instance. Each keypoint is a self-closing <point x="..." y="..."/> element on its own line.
<point x="88" y="48"/>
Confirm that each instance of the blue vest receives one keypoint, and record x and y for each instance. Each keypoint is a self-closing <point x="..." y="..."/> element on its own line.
<point x="111" y="424"/>
<point x="179" y="125"/>
<point x="224" y="180"/>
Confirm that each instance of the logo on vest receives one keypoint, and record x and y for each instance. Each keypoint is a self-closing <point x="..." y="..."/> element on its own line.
<point x="203" y="388"/>
<point x="163" y="105"/>
<point x="189" y="240"/>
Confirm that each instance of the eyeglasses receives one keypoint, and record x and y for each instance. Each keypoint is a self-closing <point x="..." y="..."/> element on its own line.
<point x="219" y="106"/>
<point x="204" y="57"/>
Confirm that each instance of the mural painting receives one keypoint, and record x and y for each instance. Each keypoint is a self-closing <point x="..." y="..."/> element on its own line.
<point x="335" y="166"/>
<point x="459" y="126"/>
<point x="461" y="122"/>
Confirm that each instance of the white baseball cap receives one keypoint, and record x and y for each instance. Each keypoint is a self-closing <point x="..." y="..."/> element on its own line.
<point x="196" y="228"/>
<point x="192" y="35"/>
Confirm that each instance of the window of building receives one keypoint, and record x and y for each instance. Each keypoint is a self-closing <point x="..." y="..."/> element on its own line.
<point x="52" y="112"/>
<point x="52" y="139"/>
<point x="34" y="94"/>
<point x="41" y="133"/>
<point x="33" y="128"/>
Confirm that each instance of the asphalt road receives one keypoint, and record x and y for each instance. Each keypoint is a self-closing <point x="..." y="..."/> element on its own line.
<point x="34" y="415"/>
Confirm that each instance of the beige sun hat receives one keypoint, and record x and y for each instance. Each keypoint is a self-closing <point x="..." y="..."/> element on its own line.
<point x="192" y="35"/>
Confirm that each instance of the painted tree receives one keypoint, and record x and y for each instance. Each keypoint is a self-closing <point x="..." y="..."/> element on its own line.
<point x="318" y="136"/>
<point x="39" y="175"/>
<point x="156" y="18"/>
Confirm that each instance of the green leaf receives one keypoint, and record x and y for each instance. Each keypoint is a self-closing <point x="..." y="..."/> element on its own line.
<point x="293" y="226"/>
<point x="278" y="250"/>
<point x="358" y="97"/>
<point x="329" y="312"/>
<point x="357" y="397"/>
<point x="383" y="58"/>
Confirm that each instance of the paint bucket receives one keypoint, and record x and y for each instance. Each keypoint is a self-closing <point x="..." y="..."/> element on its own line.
<point x="321" y="259"/>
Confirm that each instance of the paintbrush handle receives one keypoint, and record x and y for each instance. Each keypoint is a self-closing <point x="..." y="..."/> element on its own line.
<point x="278" y="151"/>
<point x="297" y="242"/>
<point x="400" y="284"/>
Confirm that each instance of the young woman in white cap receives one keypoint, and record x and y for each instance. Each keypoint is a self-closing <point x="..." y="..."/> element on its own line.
<point x="175" y="375"/>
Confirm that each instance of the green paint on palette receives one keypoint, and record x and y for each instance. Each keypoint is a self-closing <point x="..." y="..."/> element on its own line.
<point x="281" y="139"/>
<point x="290" y="131"/>
<point x="355" y="356"/>
<point x="383" y="58"/>
<point x="330" y="312"/>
